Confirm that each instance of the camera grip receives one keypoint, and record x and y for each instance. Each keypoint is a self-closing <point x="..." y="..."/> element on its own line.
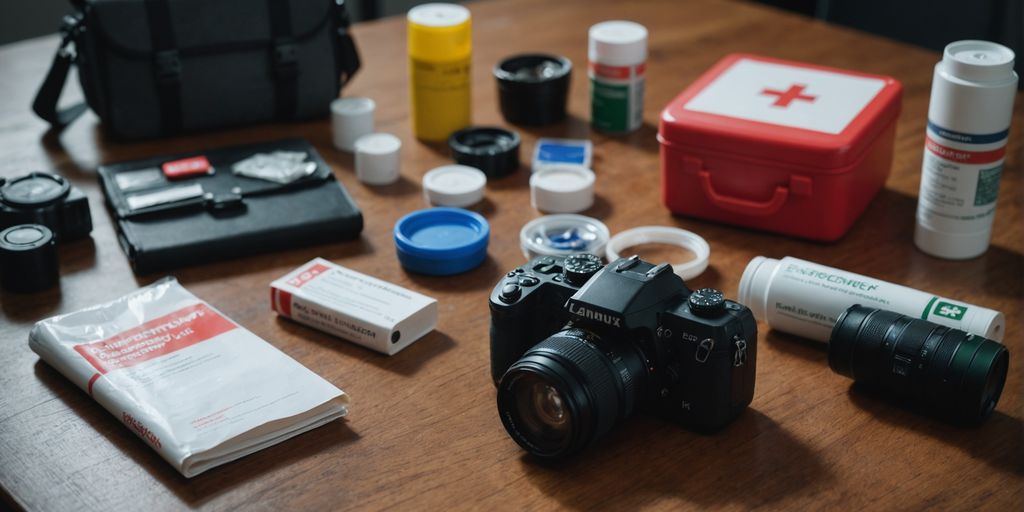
<point x="510" y="338"/>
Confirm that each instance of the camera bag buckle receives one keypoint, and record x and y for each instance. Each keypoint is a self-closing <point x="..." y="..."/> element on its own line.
<point x="167" y="67"/>
<point x="286" y="65"/>
<point x="739" y="356"/>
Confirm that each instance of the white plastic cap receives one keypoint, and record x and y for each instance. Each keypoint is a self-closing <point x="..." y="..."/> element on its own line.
<point x="438" y="15"/>
<point x="987" y="321"/>
<point x="952" y="246"/>
<point x="753" y="290"/>
<point x="351" y="118"/>
<point x="978" y="61"/>
<point x="377" y="161"/>
<point x="617" y="43"/>
<point x="562" y="189"/>
<point x="454" y="185"/>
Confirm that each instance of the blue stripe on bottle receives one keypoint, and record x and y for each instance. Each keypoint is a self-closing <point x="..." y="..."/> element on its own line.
<point x="968" y="138"/>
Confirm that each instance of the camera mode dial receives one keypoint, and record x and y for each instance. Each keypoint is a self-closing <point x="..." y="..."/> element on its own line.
<point x="707" y="302"/>
<point x="578" y="268"/>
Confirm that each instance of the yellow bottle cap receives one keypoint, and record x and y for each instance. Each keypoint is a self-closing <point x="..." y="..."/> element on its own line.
<point x="439" y="32"/>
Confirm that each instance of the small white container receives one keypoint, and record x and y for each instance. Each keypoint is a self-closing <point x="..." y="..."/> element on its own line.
<point x="562" y="189"/>
<point x="806" y="299"/>
<point x="458" y="186"/>
<point x="377" y="158"/>
<point x="351" y="118"/>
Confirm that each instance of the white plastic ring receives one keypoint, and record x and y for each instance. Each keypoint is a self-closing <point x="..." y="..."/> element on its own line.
<point x="664" y="235"/>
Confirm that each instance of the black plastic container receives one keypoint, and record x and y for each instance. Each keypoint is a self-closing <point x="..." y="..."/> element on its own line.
<point x="533" y="88"/>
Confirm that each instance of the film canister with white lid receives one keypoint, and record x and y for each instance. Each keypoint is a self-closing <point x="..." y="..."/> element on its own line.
<point x="28" y="258"/>
<point x="618" y="60"/>
<point x="562" y="189"/>
<point x="454" y="185"/>
<point x="377" y="158"/>
<point x="351" y="118"/>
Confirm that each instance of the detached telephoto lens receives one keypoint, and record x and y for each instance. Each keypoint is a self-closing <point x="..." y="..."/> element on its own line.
<point x="566" y="392"/>
<point x="956" y="375"/>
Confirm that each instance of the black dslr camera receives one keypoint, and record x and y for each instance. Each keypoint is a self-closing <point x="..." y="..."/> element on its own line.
<point x="576" y="346"/>
<point x="47" y="199"/>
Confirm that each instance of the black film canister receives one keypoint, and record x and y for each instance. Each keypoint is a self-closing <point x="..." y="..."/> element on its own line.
<point x="532" y="88"/>
<point x="495" y="151"/>
<point x="28" y="258"/>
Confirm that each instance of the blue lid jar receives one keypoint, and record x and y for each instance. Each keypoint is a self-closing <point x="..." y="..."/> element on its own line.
<point x="441" y="241"/>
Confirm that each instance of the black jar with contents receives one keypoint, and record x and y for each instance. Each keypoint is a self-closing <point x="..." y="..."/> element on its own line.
<point x="533" y="88"/>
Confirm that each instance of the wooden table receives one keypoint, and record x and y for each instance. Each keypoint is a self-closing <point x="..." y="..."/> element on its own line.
<point x="423" y="432"/>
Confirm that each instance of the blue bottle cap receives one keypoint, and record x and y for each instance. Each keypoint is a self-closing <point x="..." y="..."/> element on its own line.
<point x="441" y="241"/>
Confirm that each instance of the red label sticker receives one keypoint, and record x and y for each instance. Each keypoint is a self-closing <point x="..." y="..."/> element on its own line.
<point x="161" y="336"/>
<point x="617" y="72"/>
<point x="307" y="275"/>
<point x="186" y="167"/>
<point x="964" y="156"/>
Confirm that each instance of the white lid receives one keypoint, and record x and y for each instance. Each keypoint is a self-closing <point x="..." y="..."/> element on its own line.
<point x="952" y="246"/>
<point x="618" y="43"/>
<point x="356" y="106"/>
<point x="978" y="61"/>
<point x="562" y="189"/>
<point x="563" y="234"/>
<point x="438" y="15"/>
<point x="665" y="235"/>
<point x="454" y="185"/>
<point x="753" y="289"/>
<point x="351" y="118"/>
<point x="377" y="158"/>
<point x="989" y="323"/>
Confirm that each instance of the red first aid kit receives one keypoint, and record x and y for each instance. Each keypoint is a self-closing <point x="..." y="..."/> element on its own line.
<point x="779" y="146"/>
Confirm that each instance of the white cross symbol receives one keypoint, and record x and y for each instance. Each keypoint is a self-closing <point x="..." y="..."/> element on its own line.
<point x="949" y="311"/>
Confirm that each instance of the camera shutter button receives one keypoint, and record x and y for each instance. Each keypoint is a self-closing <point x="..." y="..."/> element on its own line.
<point x="707" y="302"/>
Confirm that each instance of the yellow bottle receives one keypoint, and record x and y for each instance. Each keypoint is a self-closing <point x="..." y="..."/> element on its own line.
<point x="440" y="47"/>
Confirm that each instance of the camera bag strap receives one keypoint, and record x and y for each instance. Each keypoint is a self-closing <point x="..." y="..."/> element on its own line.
<point x="45" y="104"/>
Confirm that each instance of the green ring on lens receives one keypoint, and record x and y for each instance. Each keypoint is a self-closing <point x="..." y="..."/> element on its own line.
<point x="979" y="393"/>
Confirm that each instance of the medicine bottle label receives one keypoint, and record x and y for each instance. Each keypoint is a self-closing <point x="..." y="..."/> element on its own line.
<point x="616" y="97"/>
<point x="961" y="178"/>
<point x="440" y="97"/>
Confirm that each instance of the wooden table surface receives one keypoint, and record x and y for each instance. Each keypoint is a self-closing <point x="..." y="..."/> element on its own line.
<point x="423" y="432"/>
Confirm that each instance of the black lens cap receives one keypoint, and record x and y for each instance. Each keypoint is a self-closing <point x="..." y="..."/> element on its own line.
<point x="495" y="151"/>
<point x="35" y="190"/>
<point x="28" y="258"/>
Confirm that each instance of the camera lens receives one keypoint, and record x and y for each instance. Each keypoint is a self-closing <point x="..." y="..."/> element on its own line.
<point x="943" y="370"/>
<point x="568" y="391"/>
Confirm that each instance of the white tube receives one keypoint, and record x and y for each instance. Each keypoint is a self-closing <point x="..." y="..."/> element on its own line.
<point x="805" y="298"/>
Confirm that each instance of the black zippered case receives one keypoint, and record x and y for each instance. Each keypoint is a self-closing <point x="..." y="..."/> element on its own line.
<point x="239" y="216"/>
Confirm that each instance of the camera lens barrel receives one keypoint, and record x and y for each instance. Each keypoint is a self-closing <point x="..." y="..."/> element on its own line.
<point x="592" y="385"/>
<point x="943" y="370"/>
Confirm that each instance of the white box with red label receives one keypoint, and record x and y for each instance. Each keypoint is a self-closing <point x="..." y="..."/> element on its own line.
<point x="354" y="306"/>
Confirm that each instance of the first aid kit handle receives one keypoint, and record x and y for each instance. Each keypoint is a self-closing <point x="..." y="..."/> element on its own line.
<point x="744" y="206"/>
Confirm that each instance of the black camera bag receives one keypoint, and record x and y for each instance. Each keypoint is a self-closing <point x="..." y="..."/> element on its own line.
<point x="152" y="68"/>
